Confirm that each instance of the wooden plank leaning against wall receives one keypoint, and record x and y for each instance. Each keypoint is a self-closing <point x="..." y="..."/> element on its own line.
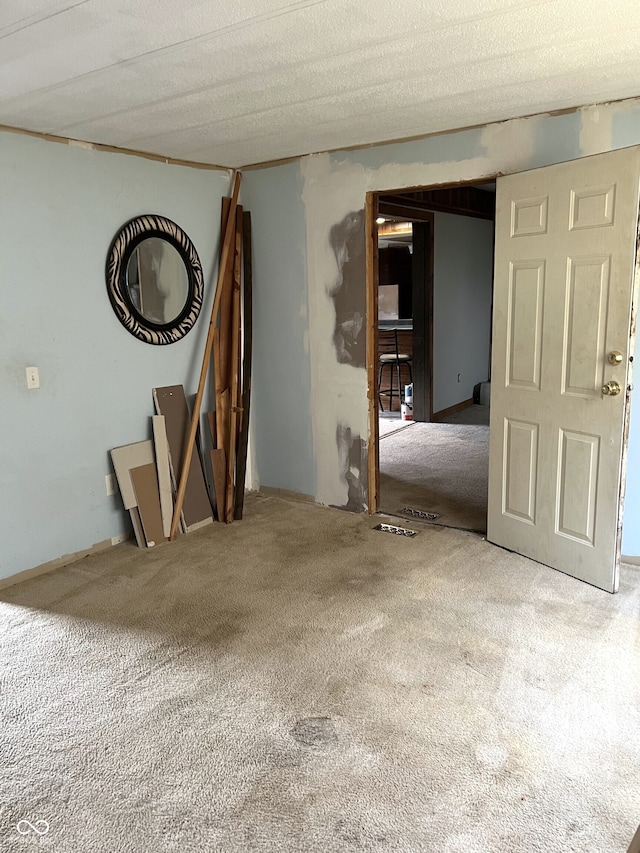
<point x="227" y="248"/>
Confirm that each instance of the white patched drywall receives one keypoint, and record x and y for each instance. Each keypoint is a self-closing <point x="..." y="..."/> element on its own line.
<point x="337" y="390"/>
<point x="333" y="188"/>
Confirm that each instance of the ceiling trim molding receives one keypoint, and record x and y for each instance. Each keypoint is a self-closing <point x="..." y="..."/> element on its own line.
<point x="268" y="164"/>
<point x="396" y="141"/>
<point x="113" y="149"/>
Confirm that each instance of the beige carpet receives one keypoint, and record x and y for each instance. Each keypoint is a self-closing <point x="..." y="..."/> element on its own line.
<point x="299" y="682"/>
<point x="438" y="468"/>
<point x="388" y="425"/>
<point x="475" y="414"/>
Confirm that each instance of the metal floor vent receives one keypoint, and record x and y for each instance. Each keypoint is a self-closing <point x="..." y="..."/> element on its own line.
<point x="399" y="531"/>
<point x="419" y="513"/>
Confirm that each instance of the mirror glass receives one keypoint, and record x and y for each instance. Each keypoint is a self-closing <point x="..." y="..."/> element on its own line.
<point x="157" y="280"/>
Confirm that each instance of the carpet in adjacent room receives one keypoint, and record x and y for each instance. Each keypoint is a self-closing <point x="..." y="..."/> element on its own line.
<point x="437" y="468"/>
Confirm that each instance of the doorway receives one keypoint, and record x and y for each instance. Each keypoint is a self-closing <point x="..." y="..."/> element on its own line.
<point x="434" y="291"/>
<point x="567" y="275"/>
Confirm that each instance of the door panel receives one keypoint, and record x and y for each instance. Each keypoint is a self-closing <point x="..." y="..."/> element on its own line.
<point x="587" y="300"/>
<point x="577" y="485"/>
<point x="564" y="278"/>
<point x="592" y="207"/>
<point x="521" y="470"/>
<point x="526" y="297"/>
<point x="529" y="216"/>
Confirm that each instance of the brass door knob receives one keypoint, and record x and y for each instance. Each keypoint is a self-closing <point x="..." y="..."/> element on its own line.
<point x="615" y="357"/>
<point x="611" y="388"/>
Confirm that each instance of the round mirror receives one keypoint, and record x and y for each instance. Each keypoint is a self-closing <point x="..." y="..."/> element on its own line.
<point x="154" y="279"/>
<point x="157" y="281"/>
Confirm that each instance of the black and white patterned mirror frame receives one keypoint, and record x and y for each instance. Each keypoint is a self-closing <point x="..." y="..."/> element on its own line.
<point x="131" y="235"/>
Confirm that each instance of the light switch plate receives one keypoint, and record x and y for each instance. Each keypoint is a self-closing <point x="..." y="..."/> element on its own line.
<point x="33" y="378"/>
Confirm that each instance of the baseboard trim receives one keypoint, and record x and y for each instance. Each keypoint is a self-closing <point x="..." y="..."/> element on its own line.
<point x="632" y="561"/>
<point x="452" y="410"/>
<point x="59" y="563"/>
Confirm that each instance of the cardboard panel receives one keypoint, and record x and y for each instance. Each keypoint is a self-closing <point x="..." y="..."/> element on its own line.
<point x="172" y="403"/>
<point x="126" y="457"/>
<point x="145" y="485"/>
<point x="137" y="526"/>
<point x="164" y="473"/>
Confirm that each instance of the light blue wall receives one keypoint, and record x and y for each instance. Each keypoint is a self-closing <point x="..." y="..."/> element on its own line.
<point x="281" y="383"/>
<point x="463" y="283"/>
<point x="60" y="207"/>
<point x="556" y="139"/>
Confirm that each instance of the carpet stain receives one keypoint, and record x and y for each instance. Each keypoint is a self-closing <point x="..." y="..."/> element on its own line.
<point x="357" y="835"/>
<point x="315" y="731"/>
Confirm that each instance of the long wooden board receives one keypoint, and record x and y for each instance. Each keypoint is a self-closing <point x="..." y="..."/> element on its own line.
<point x="234" y="366"/>
<point x="206" y="358"/>
<point x="225" y="348"/>
<point x="247" y="318"/>
<point x="171" y="402"/>
<point x="211" y="420"/>
<point x="226" y="305"/>
<point x="218" y="469"/>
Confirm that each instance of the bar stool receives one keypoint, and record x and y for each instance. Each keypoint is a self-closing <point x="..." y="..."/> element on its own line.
<point x="390" y="357"/>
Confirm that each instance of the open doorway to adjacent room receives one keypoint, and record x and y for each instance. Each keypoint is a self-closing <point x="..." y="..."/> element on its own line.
<point x="432" y="330"/>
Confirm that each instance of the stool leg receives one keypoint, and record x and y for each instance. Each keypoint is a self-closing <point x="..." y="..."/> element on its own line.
<point x="400" y="394"/>
<point x="379" y="387"/>
<point x="390" y="386"/>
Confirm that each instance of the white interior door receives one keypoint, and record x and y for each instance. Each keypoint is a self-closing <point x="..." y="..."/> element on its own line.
<point x="564" y="279"/>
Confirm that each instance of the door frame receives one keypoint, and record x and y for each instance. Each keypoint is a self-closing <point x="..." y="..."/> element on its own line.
<point x="371" y="348"/>
<point x="372" y="208"/>
<point x="422" y="307"/>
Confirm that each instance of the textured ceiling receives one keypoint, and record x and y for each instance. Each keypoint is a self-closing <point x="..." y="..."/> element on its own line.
<point x="248" y="81"/>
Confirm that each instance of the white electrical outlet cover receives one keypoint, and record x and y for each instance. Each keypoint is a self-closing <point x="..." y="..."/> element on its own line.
<point x="33" y="377"/>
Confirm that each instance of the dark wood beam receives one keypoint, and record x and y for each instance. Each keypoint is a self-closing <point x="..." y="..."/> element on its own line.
<point x="464" y="201"/>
